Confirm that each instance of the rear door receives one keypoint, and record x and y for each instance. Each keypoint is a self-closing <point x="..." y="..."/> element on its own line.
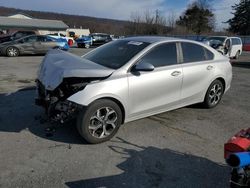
<point x="45" y="43"/>
<point x="28" y="44"/>
<point x="159" y="89"/>
<point x="198" y="71"/>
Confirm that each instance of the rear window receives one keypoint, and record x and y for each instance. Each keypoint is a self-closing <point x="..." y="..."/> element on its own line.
<point x="194" y="53"/>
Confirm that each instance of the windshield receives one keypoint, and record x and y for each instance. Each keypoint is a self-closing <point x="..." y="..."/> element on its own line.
<point x="115" y="54"/>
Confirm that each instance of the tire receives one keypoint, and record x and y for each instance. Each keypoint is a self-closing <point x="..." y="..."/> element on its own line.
<point x="237" y="55"/>
<point x="79" y="45"/>
<point x="58" y="48"/>
<point x="95" y="125"/>
<point x="214" y="94"/>
<point x="12" y="52"/>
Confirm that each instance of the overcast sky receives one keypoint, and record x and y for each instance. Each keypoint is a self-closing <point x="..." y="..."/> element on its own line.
<point x="120" y="9"/>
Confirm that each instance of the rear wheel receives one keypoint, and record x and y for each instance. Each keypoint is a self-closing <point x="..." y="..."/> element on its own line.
<point x="100" y="121"/>
<point x="214" y="94"/>
<point x="12" y="52"/>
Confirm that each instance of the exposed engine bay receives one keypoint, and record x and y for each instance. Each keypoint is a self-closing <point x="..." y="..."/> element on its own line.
<point x="55" y="102"/>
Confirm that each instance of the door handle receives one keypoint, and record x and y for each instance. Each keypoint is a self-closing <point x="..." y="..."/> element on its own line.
<point x="176" y="73"/>
<point x="210" y="67"/>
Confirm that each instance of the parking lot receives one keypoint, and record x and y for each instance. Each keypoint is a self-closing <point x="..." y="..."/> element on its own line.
<point x="181" y="148"/>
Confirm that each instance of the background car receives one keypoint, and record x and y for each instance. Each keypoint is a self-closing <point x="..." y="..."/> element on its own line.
<point x="84" y="41"/>
<point x="70" y="40"/>
<point x="34" y="44"/>
<point x="229" y="46"/>
<point x="129" y="79"/>
<point x="16" y="35"/>
<point x="100" y="38"/>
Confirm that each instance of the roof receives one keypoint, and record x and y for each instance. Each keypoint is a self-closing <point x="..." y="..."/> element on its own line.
<point x="20" y="15"/>
<point x="150" y="39"/>
<point x="7" y="22"/>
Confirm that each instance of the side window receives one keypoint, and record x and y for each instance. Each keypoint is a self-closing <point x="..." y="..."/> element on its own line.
<point x="18" y="35"/>
<point x="41" y="39"/>
<point x="209" y="54"/>
<point x="194" y="52"/>
<point x="239" y="41"/>
<point x="162" y="55"/>
<point x="235" y="41"/>
<point x="31" y="39"/>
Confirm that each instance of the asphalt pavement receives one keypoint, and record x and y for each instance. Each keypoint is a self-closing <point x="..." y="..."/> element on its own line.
<point x="180" y="148"/>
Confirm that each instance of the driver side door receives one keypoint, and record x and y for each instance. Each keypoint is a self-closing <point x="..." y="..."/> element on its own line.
<point x="157" y="90"/>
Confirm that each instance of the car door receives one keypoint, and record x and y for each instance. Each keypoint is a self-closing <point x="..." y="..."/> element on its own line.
<point x="28" y="44"/>
<point x="153" y="91"/>
<point x="198" y="71"/>
<point x="44" y="44"/>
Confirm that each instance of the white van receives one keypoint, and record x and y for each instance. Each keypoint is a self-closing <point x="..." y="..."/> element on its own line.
<point x="228" y="46"/>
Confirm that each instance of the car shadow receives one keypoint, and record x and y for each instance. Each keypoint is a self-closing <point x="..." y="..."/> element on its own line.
<point x="19" y="113"/>
<point x="241" y="64"/>
<point x="155" y="167"/>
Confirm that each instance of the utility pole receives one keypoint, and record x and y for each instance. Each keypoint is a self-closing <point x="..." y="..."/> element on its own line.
<point x="156" y="16"/>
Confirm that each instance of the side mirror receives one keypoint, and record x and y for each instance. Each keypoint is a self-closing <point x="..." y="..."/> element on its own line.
<point x="143" y="67"/>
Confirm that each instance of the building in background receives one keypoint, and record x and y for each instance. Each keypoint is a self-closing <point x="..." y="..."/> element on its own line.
<point x="25" y="22"/>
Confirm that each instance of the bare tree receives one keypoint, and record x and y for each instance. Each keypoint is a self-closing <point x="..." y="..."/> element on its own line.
<point x="171" y="20"/>
<point x="148" y="23"/>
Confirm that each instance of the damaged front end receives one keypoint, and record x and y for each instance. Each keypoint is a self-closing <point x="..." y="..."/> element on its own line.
<point x="55" y="102"/>
<point x="61" y="75"/>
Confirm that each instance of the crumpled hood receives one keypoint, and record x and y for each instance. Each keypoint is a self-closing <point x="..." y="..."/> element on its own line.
<point x="58" y="64"/>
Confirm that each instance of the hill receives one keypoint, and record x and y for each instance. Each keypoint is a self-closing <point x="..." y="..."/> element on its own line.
<point x="77" y="21"/>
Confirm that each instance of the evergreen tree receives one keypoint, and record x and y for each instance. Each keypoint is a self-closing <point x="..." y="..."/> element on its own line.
<point x="197" y="18"/>
<point x="240" y="23"/>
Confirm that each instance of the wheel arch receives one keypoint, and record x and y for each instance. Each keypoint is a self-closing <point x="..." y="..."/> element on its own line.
<point x="220" y="79"/>
<point x="12" y="46"/>
<point x="223" y="82"/>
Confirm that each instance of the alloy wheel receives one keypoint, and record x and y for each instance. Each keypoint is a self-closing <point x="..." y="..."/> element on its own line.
<point x="103" y="122"/>
<point x="215" y="94"/>
<point x="13" y="52"/>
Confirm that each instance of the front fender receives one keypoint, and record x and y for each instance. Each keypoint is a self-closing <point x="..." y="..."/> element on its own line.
<point x="117" y="89"/>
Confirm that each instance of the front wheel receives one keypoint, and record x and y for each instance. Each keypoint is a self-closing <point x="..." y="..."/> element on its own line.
<point x="100" y="121"/>
<point x="12" y="52"/>
<point x="87" y="45"/>
<point x="214" y="94"/>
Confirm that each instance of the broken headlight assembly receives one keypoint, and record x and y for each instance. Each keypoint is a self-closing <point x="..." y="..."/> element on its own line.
<point x="55" y="102"/>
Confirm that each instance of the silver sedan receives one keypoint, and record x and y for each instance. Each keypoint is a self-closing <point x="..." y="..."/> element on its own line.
<point x="129" y="79"/>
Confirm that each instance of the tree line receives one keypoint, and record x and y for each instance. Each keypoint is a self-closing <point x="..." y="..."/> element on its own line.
<point x="197" y="19"/>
